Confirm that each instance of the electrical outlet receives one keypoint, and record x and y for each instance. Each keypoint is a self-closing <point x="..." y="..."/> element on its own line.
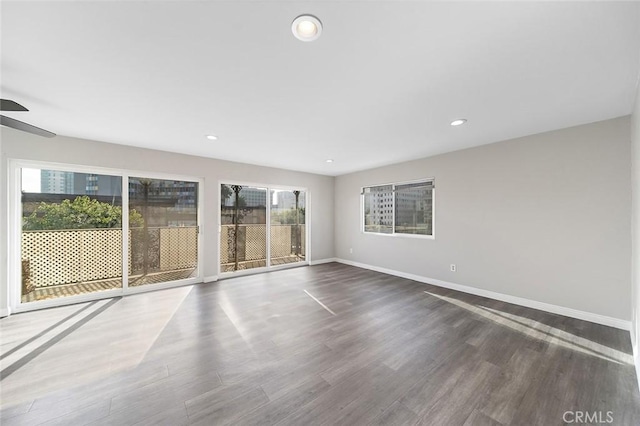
<point x="453" y="267"/>
<point x="351" y="250"/>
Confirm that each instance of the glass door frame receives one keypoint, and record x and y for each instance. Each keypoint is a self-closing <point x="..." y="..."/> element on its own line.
<point x="269" y="267"/>
<point x="14" y="275"/>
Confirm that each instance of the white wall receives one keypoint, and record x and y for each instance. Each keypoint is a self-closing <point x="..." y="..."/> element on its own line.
<point x="3" y="241"/>
<point x="23" y="146"/>
<point x="543" y="217"/>
<point x="635" y="229"/>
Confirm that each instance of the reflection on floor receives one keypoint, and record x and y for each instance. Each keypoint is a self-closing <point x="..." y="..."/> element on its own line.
<point x="74" y="289"/>
<point x="538" y="330"/>
<point x="327" y="344"/>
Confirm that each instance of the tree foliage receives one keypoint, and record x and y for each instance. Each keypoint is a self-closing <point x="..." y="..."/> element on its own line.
<point x="229" y="213"/>
<point x="225" y="192"/>
<point x="81" y="213"/>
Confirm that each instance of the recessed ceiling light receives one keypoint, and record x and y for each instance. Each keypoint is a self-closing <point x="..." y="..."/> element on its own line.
<point x="329" y="160"/>
<point x="459" y="122"/>
<point x="212" y="137"/>
<point x="306" y="27"/>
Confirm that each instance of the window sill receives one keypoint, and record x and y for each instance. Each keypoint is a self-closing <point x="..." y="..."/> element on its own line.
<point x="397" y="235"/>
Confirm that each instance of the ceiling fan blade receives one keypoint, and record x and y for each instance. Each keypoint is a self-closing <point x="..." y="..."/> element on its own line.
<point x="19" y="125"/>
<point x="8" y="105"/>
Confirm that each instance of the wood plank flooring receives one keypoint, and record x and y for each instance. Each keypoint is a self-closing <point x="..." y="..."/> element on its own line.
<point x="263" y="350"/>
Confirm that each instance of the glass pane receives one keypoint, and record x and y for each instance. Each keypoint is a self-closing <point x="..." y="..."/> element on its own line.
<point x="414" y="209"/>
<point x="378" y="209"/>
<point x="163" y="234"/>
<point x="71" y="240"/>
<point x="243" y="237"/>
<point x="414" y="185"/>
<point x="287" y="232"/>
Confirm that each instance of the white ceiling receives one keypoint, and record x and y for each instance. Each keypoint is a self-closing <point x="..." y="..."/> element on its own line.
<point x="380" y="85"/>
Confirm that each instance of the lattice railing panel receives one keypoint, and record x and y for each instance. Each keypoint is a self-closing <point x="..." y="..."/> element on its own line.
<point x="178" y="248"/>
<point x="225" y="249"/>
<point x="281" y="241"/>
<point x="84" y="255"/>
<point x="64" y="257"/>
<point x="252" y="242"/>
<point x="100" y="254"/>
<point x="256" y="242"/>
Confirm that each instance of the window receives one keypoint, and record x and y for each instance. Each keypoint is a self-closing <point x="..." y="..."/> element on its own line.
<point x="377" y="218"/>
<point x="71" y="234"/>
<point x="403" y="208"/>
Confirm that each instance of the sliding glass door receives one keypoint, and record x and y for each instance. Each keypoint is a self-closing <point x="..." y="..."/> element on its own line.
<point x="163" y="230"/>
<point x="287" y="226"/>
<point x="261" y="227"/>
<point x="243" y="230"/>
<point x="78" y="237"/>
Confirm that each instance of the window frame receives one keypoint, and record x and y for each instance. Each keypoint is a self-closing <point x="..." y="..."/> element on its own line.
<point x="393" y="233"/>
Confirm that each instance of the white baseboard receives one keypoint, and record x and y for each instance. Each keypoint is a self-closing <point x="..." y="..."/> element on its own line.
<point x="210" y="279"/>
<point x="5" y="312"/>
<point x="542" y="306"/>
<point x="321" y="261"/>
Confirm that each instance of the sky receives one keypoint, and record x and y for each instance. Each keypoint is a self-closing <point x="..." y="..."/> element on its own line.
<point x="31" y="180"/>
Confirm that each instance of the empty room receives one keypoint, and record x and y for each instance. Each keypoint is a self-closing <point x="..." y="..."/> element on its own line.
<point x="319" y="213"/>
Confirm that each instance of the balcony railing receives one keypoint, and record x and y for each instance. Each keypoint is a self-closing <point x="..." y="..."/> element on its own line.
<point x="249" y="250"/>
<point x="57" y="263"/>
<point x="58" y="257"/>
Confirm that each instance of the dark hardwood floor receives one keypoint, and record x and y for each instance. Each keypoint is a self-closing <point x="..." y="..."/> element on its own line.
<point x="328" y="344"/>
